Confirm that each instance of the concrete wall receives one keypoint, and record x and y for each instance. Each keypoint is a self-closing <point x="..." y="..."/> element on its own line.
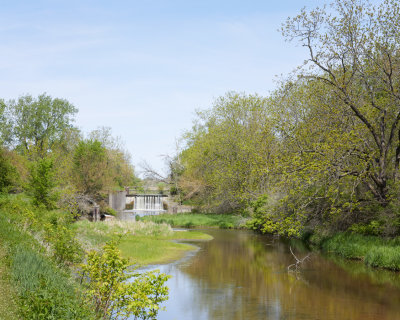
<point x="117" y="200"/>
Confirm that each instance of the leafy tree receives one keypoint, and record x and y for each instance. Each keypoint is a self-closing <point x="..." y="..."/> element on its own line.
<point x="229" y="152"/>
<point x="90" y="166"/>
<point x="5" y="126"/>
<point x="119" y="160"/>
<point x="39" y="122"/>
<point x="354" y="50"/>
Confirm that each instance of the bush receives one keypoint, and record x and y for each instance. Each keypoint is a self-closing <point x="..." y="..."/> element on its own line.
<point x="106" y="274"/>
<point x="374" y="228"/>
<point x="188" y="224"/>
<point x="42" y="183"/>
<point x="8" y="173"/>
<point x="226" y="225"/>
<point x="110" y="211"/>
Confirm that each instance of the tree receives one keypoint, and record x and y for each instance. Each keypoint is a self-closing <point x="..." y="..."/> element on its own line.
<point x="230" y="151"/>
<point x="355" y="51"/>
<point x="39" y="122"/>
<point x="318" y="145"/>
<point x="119" y="165"/>
<point x="5" y="125"/>
<point x="90" y="167"/>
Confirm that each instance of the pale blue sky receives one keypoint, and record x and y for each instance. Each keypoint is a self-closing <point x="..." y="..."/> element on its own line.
<point x="144" y="67"/>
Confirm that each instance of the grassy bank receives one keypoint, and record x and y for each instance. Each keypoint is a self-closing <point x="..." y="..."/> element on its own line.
<point x="34" y="285"/>
<point x="8" y="297"/>
<point x="373" y="251"/>
<point x="197" y="220"/>
<point x="142" y="242"/>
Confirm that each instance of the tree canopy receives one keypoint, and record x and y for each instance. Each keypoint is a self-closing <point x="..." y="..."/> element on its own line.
<point x="323" y="150"/>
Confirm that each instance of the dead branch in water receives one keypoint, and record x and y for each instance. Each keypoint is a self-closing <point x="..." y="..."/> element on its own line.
<point x="298" y="263"/>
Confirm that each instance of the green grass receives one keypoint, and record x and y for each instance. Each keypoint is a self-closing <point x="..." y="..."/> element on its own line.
<point x="142" y="242"/>
<point x="8" y="297"/>
<point x="374" y="251"/>
<point x="43" y="289"/>
<point x="196" y="220"/>
<point x="149" y="250"/>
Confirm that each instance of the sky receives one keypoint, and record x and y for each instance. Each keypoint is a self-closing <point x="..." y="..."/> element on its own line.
<point x="144" y="67"/>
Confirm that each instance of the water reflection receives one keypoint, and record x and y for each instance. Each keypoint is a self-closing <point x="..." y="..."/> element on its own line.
<point x="240" y="275"/>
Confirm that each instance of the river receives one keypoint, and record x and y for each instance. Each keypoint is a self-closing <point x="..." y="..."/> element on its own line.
<point x="242" y="275"/>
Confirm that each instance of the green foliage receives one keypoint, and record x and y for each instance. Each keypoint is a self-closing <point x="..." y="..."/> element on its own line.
<point x="226" y="225"/>
<point x="5" y="125"/>
<point x="110" y="211"/>
<point x="229" y="152"/>
<point x="190" y="220"/>
<point x="39" y="122"/>
<point x="374" y="251"/>
<point x="44" y="291"/>
<point x="173" y="190"/>
<point x="267" y="218"/>
<point x="66" y="249"/>
<point x="42" y="183"/>
<point x="89" y="166"/>
<point x="8" y="173"/>
<point x="99" y="167"/>
<point x="144" y="242"/>
<point x="106" y="275"/>
<point x="325" y="145"/>
<point x="161" y="187"/>
<point x="374" y="228"/>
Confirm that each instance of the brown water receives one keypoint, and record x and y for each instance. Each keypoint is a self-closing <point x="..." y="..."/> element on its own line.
<point x="241" y="275"/>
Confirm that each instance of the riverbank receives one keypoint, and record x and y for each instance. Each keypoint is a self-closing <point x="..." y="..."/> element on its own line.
<point x="36" y="279"/>
<point x="199" y="220"/>
<point x="142" y="242"/>
<point x="374" y="251"/>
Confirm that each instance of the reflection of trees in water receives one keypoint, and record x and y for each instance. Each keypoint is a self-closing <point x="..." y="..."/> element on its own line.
<point x="241" y="276"/>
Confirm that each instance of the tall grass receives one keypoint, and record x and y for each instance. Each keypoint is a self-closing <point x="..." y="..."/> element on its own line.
<point x="91" y="235"/>
<point x="374" y="251"/>
<point x="191" y="220"/>
<point x="45" y="290"/>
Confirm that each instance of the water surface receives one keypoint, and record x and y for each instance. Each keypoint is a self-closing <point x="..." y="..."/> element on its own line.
<point x="242" y="275"/>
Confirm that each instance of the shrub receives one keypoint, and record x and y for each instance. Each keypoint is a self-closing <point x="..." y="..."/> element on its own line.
<point x="226" y="225"/>
<point x="110" y="211"/>
<point x="42" y="183"/>
<point x="374" y="228"/>
<point x="106" y="274"/>
<point x="8" y="173"/>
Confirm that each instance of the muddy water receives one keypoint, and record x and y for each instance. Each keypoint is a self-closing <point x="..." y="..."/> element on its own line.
<point x="241" y="275"/>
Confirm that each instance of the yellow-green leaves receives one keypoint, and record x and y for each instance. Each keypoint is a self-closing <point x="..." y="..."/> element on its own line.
<point x="116" y="291"/>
